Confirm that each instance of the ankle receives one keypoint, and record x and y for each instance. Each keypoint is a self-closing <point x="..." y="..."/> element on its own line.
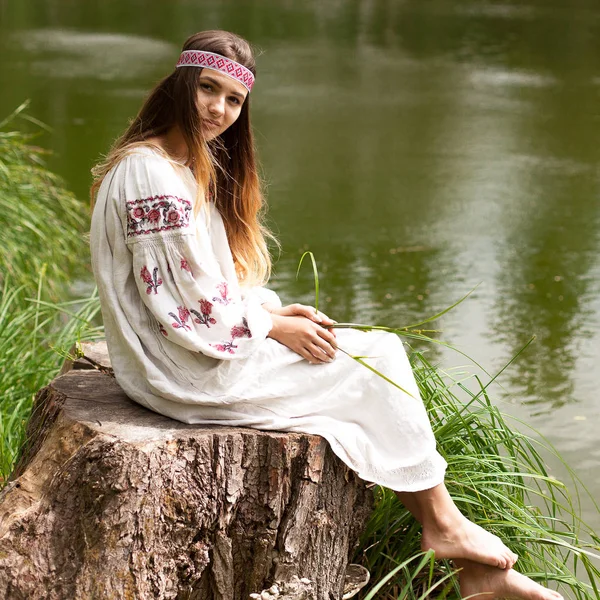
<point x="443" y="523"/>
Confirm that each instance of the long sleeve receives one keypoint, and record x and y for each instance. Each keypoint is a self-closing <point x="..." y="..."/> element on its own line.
<point x="265" y="295"/>
<point x="180" y="277"/>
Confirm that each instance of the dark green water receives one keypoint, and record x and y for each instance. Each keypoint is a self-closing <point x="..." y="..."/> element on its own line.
<point x="418" y="148"/>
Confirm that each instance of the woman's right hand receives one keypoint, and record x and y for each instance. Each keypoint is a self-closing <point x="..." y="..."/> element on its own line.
<point x="305" y="337"/>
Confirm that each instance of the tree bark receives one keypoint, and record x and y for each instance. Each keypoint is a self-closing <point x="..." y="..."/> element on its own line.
<point x="110" y="500"/>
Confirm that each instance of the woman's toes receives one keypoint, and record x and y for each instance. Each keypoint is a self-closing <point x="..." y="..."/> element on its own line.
<point x="486" y="583"/>
<point x="511" y="559"/>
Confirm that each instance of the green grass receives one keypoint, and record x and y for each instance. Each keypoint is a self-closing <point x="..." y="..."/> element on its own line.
<point x="34" y="337"/>
<point x="42" y="226"/>
<point x="41" y="222"/>
<point x="498" y="477"/>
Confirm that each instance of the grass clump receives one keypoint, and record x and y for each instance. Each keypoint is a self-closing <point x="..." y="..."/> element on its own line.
<point x="40" y="220"/>
<point x="42" y="225"/>
<point x="34" y="338"/>
<point x="498" y="478"/>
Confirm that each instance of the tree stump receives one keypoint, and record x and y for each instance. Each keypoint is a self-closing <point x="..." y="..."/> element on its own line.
<point x="110" y="500"/>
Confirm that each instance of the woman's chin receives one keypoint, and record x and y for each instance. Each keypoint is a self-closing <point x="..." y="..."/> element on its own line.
<point x="210" y="134"/>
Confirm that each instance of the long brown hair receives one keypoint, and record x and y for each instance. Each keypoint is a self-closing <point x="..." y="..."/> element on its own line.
<point x="225" y="166"/>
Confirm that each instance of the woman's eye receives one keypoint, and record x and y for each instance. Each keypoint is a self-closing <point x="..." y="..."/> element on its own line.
<point x="206" y="86"/>
<point x="234" y="100"/>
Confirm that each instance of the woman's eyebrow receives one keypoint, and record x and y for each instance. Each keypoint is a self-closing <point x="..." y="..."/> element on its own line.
<point x="218" y="84"/>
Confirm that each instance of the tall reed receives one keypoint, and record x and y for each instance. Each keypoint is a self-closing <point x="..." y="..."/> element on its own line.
<point x="34" y="336"/>
<point x="498" y="477"/>
<point x="41" y="222"/>
<point x="41" y="229"/>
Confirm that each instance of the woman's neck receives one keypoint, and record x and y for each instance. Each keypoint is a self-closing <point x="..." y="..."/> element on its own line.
<point x="173" y="143"/>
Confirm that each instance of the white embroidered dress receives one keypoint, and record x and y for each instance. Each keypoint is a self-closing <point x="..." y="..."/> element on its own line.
<point x="187" y="342"/>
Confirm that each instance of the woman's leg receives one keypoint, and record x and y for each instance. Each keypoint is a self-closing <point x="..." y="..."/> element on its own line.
<point x="450" y="534"/>
<point x="481" y="582"/>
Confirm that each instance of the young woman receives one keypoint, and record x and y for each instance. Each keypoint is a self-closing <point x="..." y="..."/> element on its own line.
<point x="179" y="255"/>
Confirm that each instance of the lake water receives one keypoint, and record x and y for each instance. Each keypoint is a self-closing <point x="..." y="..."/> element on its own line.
<point x="419" y="148"/>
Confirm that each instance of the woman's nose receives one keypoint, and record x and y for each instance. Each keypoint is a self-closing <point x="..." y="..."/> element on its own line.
<point x="217" y="106"/>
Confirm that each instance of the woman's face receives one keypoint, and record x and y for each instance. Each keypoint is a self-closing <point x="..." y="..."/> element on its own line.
<point x="220" y="99"/>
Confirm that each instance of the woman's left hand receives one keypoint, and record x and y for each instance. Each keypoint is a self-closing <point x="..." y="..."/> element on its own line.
<point x="301" y="310"/>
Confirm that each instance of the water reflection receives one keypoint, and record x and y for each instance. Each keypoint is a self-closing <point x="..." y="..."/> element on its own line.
<point x="64" y="54"/>
<point x="544" y="281"/>
<point x="374" y="285"/>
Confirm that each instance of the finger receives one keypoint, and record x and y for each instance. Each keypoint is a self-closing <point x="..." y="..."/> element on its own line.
<point x="328" y="328"/>
<point x="320" y="355"/>
<point x="312" y="314"/>
<point x="295" y="309"/>
<point x="328" y="336"/>
<point x="310" y="357"/>
<point x="306" y="311"/>
<point x="326" y="321"/>
<point x="325" y="348"/>
<point x="324" y="317"/>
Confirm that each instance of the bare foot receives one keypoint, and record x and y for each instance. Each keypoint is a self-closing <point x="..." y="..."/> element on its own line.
<point x="464" y="539"/>
<point x="480" y="582"/>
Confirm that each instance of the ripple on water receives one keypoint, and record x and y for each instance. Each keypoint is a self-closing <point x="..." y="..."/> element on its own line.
<point x="513" y="78"/>
<point x="69" y="54"/>
<point x="552" y="164"/>
<point x="497" y="11"/>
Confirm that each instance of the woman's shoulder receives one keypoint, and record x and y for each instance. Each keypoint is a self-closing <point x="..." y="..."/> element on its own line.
<point x="147" y="156"/>
<point x="148" y="195"/>
<point x="144" y="171"/>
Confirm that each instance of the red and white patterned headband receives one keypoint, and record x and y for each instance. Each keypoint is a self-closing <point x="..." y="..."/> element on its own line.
<point x="216" y="62"/>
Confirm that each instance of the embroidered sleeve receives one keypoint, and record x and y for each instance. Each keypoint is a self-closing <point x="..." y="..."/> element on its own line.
<point x="157" y="214"/>
<point x="180" y="284"/>
<point x="192" y="305"/>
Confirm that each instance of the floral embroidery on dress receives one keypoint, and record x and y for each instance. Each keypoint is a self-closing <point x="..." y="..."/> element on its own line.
<point x="152" y="281"/>
<point x="157" y="213"/>
<point x="170" y="272"/>
<point x="204" y="318"/>
<point x="162" y="330"/>
<point x="237" y="331"/>
<point x="182" y="319"/>
<point x="185" y="266"/>
<point x="225" y="347"/>
<point x="223" y="291"/>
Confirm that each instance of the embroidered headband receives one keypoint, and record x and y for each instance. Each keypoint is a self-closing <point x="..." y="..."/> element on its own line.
<point x="216" y="62"/>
